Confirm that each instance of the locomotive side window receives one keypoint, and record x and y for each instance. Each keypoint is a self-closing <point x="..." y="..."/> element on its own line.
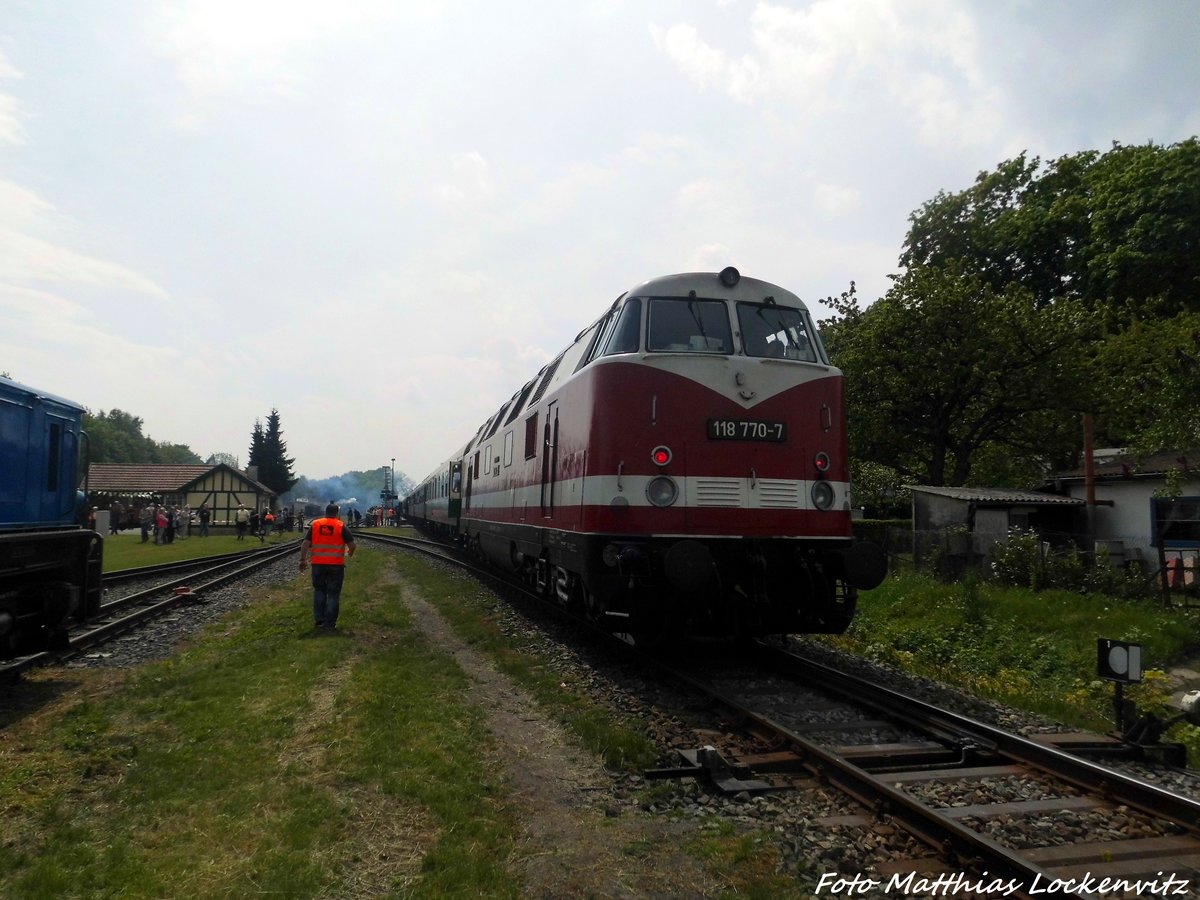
<point x="53" y="448"/>
<point x="531" y="436"/>
<point x="684" y="325"/>
<point x="600" y="336"/>
<point x="626" y="337"/>
<point x="781" y="332"/>
<point x="508" y="445"/>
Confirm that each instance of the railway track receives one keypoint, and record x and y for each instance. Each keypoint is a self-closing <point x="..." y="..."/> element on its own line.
<point x="174" y="584"/>
<point x="925" y="769"/>
<point x="991" y="811"/>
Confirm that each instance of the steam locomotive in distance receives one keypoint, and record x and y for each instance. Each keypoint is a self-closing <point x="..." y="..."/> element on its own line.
<point x="50" y="566"/>
<point x="681" y="467"/>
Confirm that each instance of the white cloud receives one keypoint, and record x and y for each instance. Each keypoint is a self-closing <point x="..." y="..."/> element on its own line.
<point x="469" y="182"/>
<point x="837" y="199"/>
<point x="711" y="257"/>
<point x="25" y="259"/>
<point x="872" y="57"/>
<point x="21" y="207"/>
<point x="11" y="130"/>
<point x="704" y="194"/>
<point x="255" y="50"/>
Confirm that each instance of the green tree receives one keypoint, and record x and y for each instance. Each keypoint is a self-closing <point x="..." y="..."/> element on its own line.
<point x="116" y="437"/>
<point x="944" y="365"/>
<point x="1150" y="377"/>
<point x="168" y="454"/>
<point x="269" y="453"/>
<point x="1117" y="230"/>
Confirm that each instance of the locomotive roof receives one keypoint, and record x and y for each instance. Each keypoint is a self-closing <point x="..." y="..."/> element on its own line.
<point x="11" y="388"/>
<point x="708" y="284"/>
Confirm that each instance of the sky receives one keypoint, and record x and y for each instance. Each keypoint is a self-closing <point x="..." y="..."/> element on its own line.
<point x="382" y="217"/>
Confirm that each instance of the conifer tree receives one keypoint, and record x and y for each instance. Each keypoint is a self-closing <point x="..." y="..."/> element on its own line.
<point x="269" y="453"/>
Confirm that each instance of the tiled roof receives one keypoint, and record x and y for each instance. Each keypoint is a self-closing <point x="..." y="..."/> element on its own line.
<point x="117" y="478"/>
<point x="999" y="496"/>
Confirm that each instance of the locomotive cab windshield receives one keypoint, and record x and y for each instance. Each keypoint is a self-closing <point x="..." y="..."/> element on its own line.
<point x="776" y="332"/>
<point x="688" y="325"/>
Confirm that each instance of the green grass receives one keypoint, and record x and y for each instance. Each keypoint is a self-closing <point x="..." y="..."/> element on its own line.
<point x="1032" y="650"/>
<point x="126" y="550"/>
<point x="262" y="760"/>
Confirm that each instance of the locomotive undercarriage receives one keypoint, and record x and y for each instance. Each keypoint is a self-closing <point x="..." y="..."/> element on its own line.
<point x="659" y="588"/>
<point x="47" y="579"/>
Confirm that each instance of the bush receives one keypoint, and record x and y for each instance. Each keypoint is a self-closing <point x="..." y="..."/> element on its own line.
<point x="1024" y="560"/>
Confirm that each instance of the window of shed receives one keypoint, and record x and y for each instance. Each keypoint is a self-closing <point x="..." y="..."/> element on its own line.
<point x="1176" y="521"/>
<point x="686" y="325"/>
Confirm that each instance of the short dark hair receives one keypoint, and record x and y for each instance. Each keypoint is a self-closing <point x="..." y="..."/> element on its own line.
<point x="331" y="509"/>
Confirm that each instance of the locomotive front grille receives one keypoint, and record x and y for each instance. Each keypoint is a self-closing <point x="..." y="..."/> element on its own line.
<point x="744" y="493"/>
<point x="726" y="492"/>
<point x="779" y="494"/>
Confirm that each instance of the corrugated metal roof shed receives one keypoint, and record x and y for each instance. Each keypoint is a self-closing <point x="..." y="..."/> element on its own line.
<point x="999" y="496"/>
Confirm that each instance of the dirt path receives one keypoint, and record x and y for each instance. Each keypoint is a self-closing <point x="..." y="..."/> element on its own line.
<point x="569" y="846"/>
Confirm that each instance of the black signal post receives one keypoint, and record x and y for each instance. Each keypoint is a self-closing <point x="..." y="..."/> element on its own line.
<point x="1121" y="663"/>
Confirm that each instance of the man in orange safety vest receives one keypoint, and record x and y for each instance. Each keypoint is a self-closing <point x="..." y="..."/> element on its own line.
<point x="329" y="543"/>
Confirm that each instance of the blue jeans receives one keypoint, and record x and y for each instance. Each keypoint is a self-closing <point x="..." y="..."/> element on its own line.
<point x="327" y="593"/>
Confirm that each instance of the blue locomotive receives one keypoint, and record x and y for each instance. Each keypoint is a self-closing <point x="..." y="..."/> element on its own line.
<point x="50" y="565"/>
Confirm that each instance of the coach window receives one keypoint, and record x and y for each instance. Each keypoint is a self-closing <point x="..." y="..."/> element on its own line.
<point x="781" y="332"/>
<point x="686" y="325"/>
<point x="508" y="445"/>
<point x="626" y="337"/>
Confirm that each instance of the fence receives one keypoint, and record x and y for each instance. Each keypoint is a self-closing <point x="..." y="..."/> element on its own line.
<point x="1039" y="560"/>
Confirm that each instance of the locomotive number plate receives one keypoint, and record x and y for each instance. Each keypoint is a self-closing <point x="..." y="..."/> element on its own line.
<point x="746" y="430"/>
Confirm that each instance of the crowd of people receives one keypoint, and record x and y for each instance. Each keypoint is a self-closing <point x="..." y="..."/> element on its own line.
<point x="164" y="524"/>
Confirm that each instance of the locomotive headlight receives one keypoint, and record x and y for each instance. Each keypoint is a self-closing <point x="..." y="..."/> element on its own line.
<point x="821" y="461"/>
<point x="822" y="494"/>
<point x="611" y="554"/>
<point x="660" y="455"/>
<point x="662" y="491"/>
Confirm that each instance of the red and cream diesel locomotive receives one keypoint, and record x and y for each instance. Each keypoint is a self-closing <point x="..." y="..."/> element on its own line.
<point x="681" y="467"/>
